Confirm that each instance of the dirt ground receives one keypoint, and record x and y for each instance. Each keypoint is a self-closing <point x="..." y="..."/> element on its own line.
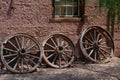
<point x="79" y="71"/>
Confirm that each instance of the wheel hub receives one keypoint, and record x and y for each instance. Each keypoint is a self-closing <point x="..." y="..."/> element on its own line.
<point x="96" y="45"/>
<point x="60" y="49"/>
<point x="22" y="52"/>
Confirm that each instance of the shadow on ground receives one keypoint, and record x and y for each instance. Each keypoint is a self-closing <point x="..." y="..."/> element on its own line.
<point x="108" y="71"/>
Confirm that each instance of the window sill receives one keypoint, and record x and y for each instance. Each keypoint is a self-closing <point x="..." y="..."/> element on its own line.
<point x="65" y="19"/>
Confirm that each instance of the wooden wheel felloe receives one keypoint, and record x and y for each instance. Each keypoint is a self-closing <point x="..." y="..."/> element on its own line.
<point x="58" y="51"/>
<point x="96" y="44"/>
<point x="21" y="53"/>
<point x="1" y="65"/>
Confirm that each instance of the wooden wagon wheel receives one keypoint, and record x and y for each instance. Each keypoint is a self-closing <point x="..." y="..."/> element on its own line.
<point x="1" y="65"/>
<point x="21" y="53"/>
<point x="58" y="51"/>
<point x="96" y="44"/>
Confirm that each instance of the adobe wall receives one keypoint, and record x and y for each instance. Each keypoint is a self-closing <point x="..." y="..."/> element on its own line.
<point x="33" y="17"/>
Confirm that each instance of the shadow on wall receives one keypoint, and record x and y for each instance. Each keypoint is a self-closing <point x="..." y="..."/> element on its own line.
<point x="79" y="54"/>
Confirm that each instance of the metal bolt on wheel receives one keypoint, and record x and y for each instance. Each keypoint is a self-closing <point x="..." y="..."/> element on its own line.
<point x="21" y="53"/>
<point x="58" y="51"/>
<point x="96" y="44"/>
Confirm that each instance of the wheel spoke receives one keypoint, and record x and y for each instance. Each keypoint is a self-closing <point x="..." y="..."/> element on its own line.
<point x="103" y="43"/>
<point x="50" y="45"/>
<point x="9" y="55"/>
<point x="91" y="36"/>
<point x="53" y="42"/>
<point x="91" y="52"/>
<point x="58" y="42"/>
<point x="66" y="46"/>
<point x="30" y="60"/>
<point x="98" y="55"/>
<point x="49" y="50"/>
<point x="15" y="66"/>
<point x="105" y="51"/>
<point x="100" y="40"/>
<point x="12" y="60"/>
<point x="95" y="33"/>
<point x="86" y="43"/>
<point x="27" y="63"/>
<point x="10" y="50"/>
<point x="88" y="39"/>
<point x="17" y="42"/>
<point x="50" y="55"/>
<point x="67" y="55"/>
<point x="104" y="47"/>
<point x="32" y="56"/>
<point x="59" y="61"/>
<point x="13" y="45"/>
<point x="32" y="51"/>
<point x="68" y="50"/>
<point x="28" y="41"/>
<point x="31" y="47"/>
<point x="66" y="61"/>
<point x="102" y="54"/>
<point x="54" y="59"/>
<point x="22" y="64"/>
<point x="22" y="42"/>
<point x="90" y="47"/>
<point x="62" y="43"/>
<point x="95" y="56"/>
<point x="98" y="36"/>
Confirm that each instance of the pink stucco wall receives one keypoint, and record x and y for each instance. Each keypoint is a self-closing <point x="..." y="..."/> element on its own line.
<point x="33" y="17"/>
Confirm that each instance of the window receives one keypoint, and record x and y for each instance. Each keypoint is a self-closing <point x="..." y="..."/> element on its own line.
<point x="67" y="8"/>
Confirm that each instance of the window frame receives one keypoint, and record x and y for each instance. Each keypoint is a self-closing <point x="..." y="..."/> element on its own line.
<point x="66" y="19"/>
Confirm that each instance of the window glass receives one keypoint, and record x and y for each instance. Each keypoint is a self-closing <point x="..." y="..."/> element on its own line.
<point x="69" y="2"/>
<point x="63" y="10"/>
<point x="57" y="10"/>
<point x="67" y="8"/>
